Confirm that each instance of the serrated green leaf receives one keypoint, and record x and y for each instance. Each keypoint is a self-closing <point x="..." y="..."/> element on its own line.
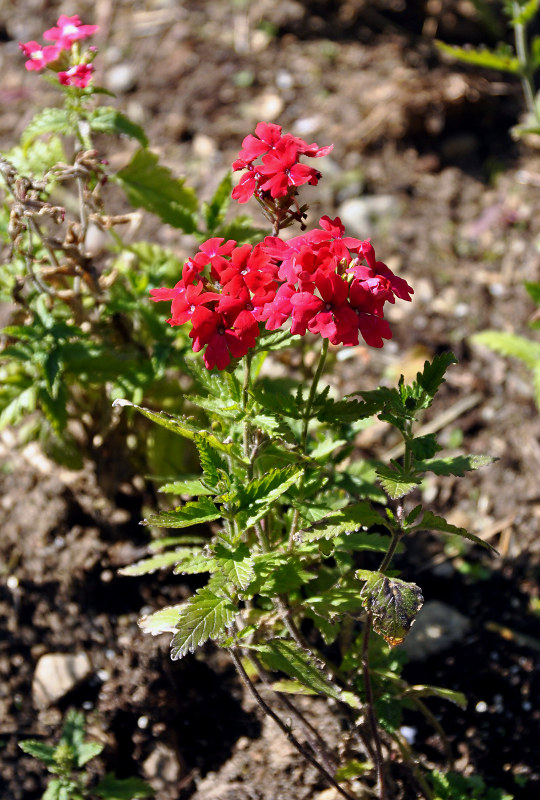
<point x="396" y="482"/>
<point x="345" y="520"/>
<point x="193" y="488"/>
<point x="212" y="465"/>
<point x="510" y="344"/>
<point x="236" y="565"/>
<point x="431" y="522"/>
<point x="152" y="186"/>
<point x="482" y="57"/>
<point x="106" y="119"/>
<point x="285" y="656"/>
<point x="259" y="495"/>
<point x="197" y="565"/>
<point x="162" y="621"/>
<point x="204" y="616"/>
<point x="194" y="513"/>
<point x="278" y="573"/>
<point x="39" y="750"/>
<point x="433" y="374"/>
<point x="113" y="788"/>
<point x="184" y="428"/>
<point x="50" y="120"/>
<point x="269" y="341"/>
<point x="149" y="565"/>
<point x="393" y="604"/>
<point x="454" y="465"/>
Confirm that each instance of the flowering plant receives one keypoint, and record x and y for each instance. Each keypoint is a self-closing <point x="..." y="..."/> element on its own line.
<point x="289" y="515"/>
<point x="292" y="512"/>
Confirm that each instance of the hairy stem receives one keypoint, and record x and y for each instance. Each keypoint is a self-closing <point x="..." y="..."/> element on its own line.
<point x="285" y="728"/>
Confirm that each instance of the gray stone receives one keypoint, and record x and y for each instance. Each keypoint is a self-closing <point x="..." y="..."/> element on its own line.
<point x="163" y="767"/>
<point x="57" y="674"/>
<point x="437" y="627"/>
<point x="368" y="215"/>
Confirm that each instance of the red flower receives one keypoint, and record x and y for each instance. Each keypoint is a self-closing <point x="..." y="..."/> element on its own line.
<point x="283" y="171"/>
<point x="39" y="56"/>
<point x="224" y="335"/>
<point x="69" y="30"/>
<point x="79" y="75"/>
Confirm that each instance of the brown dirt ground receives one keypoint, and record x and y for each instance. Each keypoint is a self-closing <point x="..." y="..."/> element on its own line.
<point x="405" y="123"/>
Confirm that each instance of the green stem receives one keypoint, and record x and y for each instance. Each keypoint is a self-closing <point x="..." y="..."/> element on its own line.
<point x="305" y="427"/>
<point x="313" y="392"/>
<point x="527" y="82"/>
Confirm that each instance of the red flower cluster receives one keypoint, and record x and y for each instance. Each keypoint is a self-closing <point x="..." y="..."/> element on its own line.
<point x="323" y="282"/>
<point x="68" y="31"/>
<point x="279" y="171"/>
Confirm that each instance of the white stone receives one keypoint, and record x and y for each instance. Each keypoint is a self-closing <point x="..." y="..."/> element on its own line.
<point x="57" y="674"/>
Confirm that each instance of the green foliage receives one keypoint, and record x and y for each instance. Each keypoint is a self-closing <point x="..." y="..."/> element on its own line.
<point x="67" y="759"/>
<point x="151" y="186"/>
<point x="452" y="786"/>
<point x="106" y="119"/>
<point x="205" y="616"/>
<point x="520" y="347"/>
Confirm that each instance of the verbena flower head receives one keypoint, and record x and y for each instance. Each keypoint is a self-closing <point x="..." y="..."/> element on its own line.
<point x="69" y="30"/>
<point x="322" y="281"/>
<point x="63" y="57"/>
<point x="279" y="170"/>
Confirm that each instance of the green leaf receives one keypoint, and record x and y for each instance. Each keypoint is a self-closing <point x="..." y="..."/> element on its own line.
<point x="50" y="120"/>
<point x="16" y="409"/>
<point x="193" y="488"/>
<point x="396" y="482"/>
<point x="510" y="344"/>
<point x="453" y="465"/>
<point x="113" y="788"/>
<point x="503" y="61"/>
<point x="425" y="446"/>
<point x="433" y="375"/>
<point x="214" y="211"/>
<point x="149" y="565"/>
<point x="286" y="656"/>
<point x="437" y="691"/>
<point x="236" y="565"/>
<point x="204" y="616"/>
<point x="278" y="573"/>
<point x="196" y="565"/>
<point x="162" y="621"/>
<point x="56" y="790"/>
<point x="182" y="427"/>
<point x="212" y="465"/>
<point x="195" y="513"/>
<point x="106" y="119"/>
<point x="394" y="605"/>
<point x="259" y="495"/>
<point x="39" y="750"/>
<point x="152" y="186"/>
<point x="343" y="521"/>
<point x="86" y="751"/>
<point x="431" y="522"/>
<point x="533" y="288"/>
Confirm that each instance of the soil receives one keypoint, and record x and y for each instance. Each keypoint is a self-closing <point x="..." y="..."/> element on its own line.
<point x="462" y="227"/>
